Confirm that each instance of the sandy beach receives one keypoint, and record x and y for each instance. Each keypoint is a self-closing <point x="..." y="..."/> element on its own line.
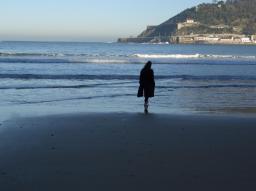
<point x="123" y="151"/>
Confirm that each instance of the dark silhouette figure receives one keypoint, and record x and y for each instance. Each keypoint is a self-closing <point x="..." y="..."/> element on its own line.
<point x="147" y="84"/>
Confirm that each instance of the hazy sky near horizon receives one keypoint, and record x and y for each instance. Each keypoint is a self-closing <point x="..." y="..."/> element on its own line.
<point x="84" y="20"/>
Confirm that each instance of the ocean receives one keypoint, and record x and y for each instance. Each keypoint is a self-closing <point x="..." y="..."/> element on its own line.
<point x="39" y="78"/>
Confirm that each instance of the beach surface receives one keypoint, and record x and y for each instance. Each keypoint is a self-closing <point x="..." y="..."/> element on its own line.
<point x="128" y="151"/>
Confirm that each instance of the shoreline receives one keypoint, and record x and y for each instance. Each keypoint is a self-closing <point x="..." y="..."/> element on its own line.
<point x="128" y="151"/>
<point x="164" y="43"/>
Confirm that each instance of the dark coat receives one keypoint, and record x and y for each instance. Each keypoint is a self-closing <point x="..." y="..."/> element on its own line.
<point x="147" y="83"/>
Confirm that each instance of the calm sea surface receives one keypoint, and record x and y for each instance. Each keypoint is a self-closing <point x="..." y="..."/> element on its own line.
<point x="39" y="78"/>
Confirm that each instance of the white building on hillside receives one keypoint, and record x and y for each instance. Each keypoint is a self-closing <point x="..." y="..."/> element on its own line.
<point x="246" y="40"/>
<point x="188" y="23"/>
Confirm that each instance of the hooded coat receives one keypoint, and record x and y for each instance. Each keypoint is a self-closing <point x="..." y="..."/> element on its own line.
<point x="147" y="83"/>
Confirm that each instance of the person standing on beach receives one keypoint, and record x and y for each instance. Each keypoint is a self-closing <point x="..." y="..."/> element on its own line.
<point x="147" y="84"/>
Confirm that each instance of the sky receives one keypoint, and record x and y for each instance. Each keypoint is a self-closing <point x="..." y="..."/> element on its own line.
<point x="84" y="20"/>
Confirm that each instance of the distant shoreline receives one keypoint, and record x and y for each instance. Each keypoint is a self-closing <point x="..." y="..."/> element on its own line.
<point x="151" y="43"/>
<point x="212" y="39"/>
<point x="46" y="41"/>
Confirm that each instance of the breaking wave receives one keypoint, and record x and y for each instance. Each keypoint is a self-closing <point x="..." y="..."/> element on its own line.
<point x="63" y="61"/>
<point x="24" y="57"/>
<point x="192" y="56"/>
<point x="166" y="56"/>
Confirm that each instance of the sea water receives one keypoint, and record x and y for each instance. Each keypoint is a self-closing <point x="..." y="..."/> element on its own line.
<point x="63" y="77"/>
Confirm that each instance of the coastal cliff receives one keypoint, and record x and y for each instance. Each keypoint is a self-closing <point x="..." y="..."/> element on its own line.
<point x="233" y="18"/>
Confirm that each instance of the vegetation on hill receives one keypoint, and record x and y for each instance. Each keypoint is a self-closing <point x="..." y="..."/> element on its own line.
<point x="238" y="15"/>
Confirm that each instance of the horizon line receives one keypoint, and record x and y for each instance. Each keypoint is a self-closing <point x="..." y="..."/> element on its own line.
<point x="60" y="41"/>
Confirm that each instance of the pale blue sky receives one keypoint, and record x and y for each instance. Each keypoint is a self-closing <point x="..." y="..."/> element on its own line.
<point x="84" y="20"/>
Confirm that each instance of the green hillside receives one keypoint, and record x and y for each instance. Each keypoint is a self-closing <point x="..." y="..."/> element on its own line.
<point x="238" y="16"/>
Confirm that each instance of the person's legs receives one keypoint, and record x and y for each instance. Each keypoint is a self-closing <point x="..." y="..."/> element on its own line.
<point x="146" y="100"/>
<point x="146" y="105"/>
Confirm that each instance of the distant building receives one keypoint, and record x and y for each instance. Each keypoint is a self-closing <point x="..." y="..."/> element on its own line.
<point x="201" y="38"/>
<point x="213" y="39"/>
<point x="227" y="39"/>
<point x="246" y="40"/>
<point x="185" y="39"/>
<point x="188" y="23"/>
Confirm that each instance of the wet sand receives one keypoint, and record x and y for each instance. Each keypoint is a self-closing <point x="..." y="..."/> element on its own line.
<point x="122" y="151"/>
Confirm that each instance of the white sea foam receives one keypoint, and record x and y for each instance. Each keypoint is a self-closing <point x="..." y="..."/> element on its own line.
<point x="193" y="56"/>
<point x="48" y="57"/>
<point x="105" y="61"/>
<point x="167" y="55"/>
<point x="228" y="56"/>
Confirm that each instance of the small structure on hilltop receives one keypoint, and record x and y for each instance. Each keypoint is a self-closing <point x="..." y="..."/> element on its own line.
<point x="188" y="23"/>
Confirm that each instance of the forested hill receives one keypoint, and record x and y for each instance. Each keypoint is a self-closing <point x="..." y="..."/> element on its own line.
<point x="239" y="16"/>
